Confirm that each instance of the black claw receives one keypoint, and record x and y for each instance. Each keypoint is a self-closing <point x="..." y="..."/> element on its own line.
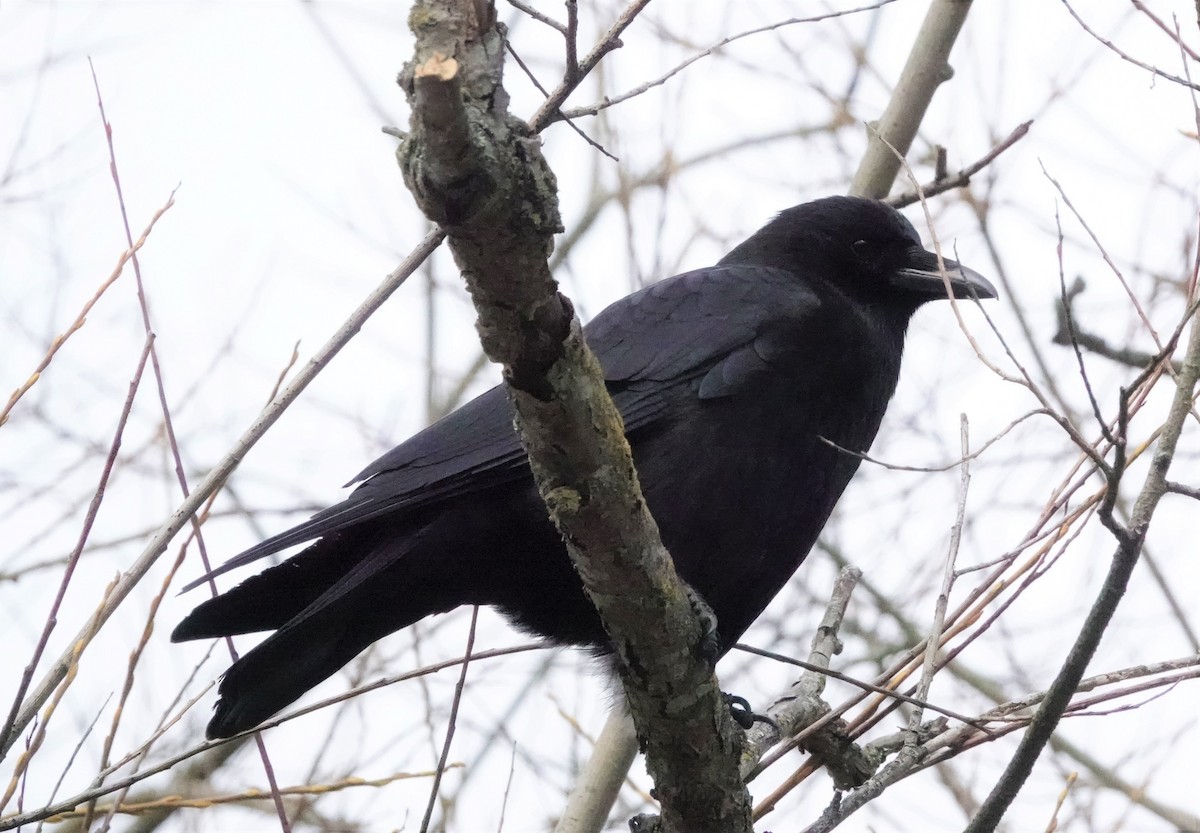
<point x="740" y="711"/>
<point x="710" y="642"/>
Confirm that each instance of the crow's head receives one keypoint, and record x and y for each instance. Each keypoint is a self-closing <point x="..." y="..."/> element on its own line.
<point x="865" y="248"/>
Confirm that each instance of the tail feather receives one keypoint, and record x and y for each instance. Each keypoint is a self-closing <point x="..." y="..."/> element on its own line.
<point x="325" y="612"/>
<point x="275" y="673"/>
<point x="275" y="596"/>
<point x="338" y="596"/>
<point x="319" y="640"/>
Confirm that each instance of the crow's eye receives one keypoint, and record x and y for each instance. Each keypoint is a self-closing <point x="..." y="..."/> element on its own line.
<point x="861" y="248"/>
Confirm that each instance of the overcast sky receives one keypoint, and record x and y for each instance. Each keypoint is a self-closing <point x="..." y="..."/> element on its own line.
<point x="264" y="120"/>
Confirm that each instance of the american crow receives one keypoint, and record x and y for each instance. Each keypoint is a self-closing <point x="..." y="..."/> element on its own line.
<point x="730" y="380"/>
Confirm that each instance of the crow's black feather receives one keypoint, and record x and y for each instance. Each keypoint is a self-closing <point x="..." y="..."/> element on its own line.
<point x="729" y="379"/>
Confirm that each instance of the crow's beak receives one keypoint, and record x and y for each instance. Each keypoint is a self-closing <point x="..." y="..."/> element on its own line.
<point x="921" y="276"/>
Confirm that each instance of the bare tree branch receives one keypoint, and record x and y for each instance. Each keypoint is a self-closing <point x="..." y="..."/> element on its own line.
<point x="217" y="475"/>
<point x="948" y="182"/>
<point x="474" y="170"/>
<point x="926" y="69"/>
<point x="1129" y="546"/>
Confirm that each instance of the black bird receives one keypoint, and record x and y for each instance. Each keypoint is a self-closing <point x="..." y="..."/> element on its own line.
<point x="730" y="380"/>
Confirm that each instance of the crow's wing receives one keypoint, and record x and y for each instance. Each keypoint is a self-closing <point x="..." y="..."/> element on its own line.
<point x="469" y="449"/>
<point x="725" y="325"/>
<point x="722" y="326"/>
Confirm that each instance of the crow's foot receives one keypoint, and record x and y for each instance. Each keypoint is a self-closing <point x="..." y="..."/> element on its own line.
<point x="739" y="709"/>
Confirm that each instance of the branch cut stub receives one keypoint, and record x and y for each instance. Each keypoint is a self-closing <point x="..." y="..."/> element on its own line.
<point x="439" y="66"/>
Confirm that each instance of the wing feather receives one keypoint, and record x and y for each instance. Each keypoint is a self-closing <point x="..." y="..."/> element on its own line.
<point x="714" y="329"/>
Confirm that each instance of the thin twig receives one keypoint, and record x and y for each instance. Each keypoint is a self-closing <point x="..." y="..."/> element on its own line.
<point x="28" y="817"/>
<point x="1100" y="247"/>
<point x="1124" y="560"/>
<point x="962" y="178"/>
<point x="538" y="16"/>
<point x="81" y="318"/>
<point x="610" y="41"/>
<point x="168" y="422"/>
<point x="11" y="727"/>
<point x="1080" y="363"/>
<point x="948" y="575"/>
<point x="941" y="466"/>
<point x="606" y="102"/>
<point x="453" y="722"/>
<point x="570" y="122"/>
<point x="1125" y="56"/>
<point x="825" y="671"/>
<point x="571" y="36"/>
<point x="222" y="469"/>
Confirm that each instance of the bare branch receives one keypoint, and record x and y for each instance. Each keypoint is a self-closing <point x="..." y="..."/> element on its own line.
<point x="1069" y="333"/>
<point x="926" y="69"/>
<point x="948" y="182"/>
<point x="538" y="16"/>
<point x="474" y="170"/>
<point x="1125" y="56"/>
<point x="593" y="109"/>
<point x="220" y="471"/>
<point x="1124" y="559"/>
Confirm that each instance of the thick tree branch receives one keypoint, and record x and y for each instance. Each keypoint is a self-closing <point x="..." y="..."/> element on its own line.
<point x="478" y="172"/>
<point x="926" y="69"/>
<point x="595" y="791"/>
